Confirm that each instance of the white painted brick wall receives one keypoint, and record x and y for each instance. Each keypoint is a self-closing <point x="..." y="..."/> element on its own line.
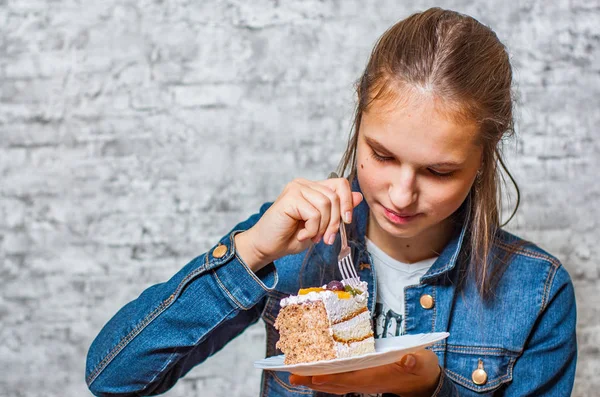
<point x="133" y="134"/>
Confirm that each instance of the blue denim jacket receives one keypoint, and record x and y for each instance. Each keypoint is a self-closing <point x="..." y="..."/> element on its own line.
<point x="523" y="337"/>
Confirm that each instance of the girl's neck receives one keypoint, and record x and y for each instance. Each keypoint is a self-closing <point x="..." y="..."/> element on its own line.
<point x="425" y="245"/>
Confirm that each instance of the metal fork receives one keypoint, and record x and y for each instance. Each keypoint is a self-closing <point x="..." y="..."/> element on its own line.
<point x="345" y="264"/>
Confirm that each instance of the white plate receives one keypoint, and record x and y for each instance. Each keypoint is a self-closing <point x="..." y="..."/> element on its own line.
<point x="387" y="351"/>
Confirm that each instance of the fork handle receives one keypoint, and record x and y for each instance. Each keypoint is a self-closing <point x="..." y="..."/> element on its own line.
<point x="343" y="234"/>
<point x="342" y="224"/>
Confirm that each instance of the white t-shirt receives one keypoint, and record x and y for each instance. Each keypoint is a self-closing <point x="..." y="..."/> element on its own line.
<point x="392" y="276"/>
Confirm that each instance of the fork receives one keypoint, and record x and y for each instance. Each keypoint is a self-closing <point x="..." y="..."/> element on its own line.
<point x="345" y="264"/>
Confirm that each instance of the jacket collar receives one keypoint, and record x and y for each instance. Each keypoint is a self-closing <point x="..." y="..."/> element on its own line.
<point x="448" y="257"/>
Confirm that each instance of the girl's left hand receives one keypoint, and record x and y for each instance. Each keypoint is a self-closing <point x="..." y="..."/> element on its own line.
<point x="416" y="374"/>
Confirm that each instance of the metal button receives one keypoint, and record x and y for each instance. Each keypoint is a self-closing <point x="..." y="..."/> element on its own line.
<point x="479" y="376"/>
<point x="220" y="251"/>
<point x="426" y="301"/>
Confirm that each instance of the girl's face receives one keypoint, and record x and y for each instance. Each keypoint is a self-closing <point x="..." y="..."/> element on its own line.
<point x="415" y="166"/>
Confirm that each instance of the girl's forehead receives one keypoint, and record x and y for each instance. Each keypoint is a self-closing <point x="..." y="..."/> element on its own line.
<point x="418" y="119"/>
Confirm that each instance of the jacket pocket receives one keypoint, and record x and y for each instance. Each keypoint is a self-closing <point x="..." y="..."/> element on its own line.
<point x="479" y="369"/>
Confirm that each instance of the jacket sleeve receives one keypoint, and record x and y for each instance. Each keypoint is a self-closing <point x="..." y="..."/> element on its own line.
<point x="446" y="387"/>
<point x="171" y="327"/>
<point x="547" y="365"/>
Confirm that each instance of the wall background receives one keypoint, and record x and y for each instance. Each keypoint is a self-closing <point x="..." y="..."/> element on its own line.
<point x="133" y="134"/>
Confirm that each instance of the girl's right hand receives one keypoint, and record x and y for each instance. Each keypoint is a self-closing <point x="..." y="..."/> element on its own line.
<point x="305" y="212"/>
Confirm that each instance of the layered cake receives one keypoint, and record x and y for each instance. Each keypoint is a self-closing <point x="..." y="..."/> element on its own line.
<point x="323" y="323"/>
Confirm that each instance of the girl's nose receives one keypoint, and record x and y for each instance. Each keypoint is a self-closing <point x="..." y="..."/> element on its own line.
<point x="402" y="191"/>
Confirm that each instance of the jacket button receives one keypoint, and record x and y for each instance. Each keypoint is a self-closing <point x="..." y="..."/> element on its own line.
<point x="479" y="376"/>
<point x="220" y="251"/>
<point x="426" y="301"/>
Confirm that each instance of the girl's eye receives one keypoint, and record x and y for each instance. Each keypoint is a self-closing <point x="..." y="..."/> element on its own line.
<point x="433" y="172"/>
<point x="381" y="158"/>
<point x="440" y="174"/>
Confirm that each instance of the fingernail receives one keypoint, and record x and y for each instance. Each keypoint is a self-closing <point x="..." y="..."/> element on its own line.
<point x="331" y="239"/>
<point x="317" y="381"/>
<point x="348" y="216"/>
<point x="410" y="361"/>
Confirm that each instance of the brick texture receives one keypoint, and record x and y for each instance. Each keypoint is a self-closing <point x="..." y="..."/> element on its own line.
<point x="134" y="133"/>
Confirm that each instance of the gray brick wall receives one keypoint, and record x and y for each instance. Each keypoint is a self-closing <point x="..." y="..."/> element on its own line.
<point x="134" y="133"/>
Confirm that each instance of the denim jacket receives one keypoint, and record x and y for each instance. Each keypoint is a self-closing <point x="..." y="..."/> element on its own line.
<point x="523" y="337"/>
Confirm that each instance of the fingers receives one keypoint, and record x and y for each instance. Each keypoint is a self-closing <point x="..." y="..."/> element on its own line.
<point x="298" y="380"/>
<point x="408" y="363"/>
<point x="351" y="378"/>
<point x="333" y="208"/>
<point x="303" y="210"/>
<point x="348" y="199"/>
<point x="357" y="198"/>
<point x="370" y="380"/>
<point x="310" y="206"/>
<point x="321" y="206"/>
<point x="416" y="373"/>
<point x="365" y="376"/>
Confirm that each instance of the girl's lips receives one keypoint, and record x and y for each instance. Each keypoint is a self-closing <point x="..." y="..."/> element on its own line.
<point x="400" y="219"/>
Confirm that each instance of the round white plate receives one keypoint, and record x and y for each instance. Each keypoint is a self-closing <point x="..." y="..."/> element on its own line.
<point x="387" y="351"/>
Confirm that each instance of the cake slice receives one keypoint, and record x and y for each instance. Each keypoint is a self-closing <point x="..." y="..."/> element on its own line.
<point x="323" y="323"/>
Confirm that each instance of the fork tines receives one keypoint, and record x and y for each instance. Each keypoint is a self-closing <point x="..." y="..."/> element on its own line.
<point x="348" y="272"/>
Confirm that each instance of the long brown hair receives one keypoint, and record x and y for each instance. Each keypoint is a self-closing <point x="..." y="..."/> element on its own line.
<point x="463" y="64"/>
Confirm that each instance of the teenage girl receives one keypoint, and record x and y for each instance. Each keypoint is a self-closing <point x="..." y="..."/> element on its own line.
<point x="420" y="199"/>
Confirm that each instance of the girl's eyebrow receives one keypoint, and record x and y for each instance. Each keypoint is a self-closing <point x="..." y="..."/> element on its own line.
<point x="378" y="146"/>
<point x="449" y="164"/>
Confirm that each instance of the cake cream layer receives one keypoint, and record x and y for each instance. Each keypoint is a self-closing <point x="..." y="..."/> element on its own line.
<point x="356" y="328"/>
<point x="355" y="348"/>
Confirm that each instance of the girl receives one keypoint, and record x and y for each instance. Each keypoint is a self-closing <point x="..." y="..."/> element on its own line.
<point x="421" y="203"/>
